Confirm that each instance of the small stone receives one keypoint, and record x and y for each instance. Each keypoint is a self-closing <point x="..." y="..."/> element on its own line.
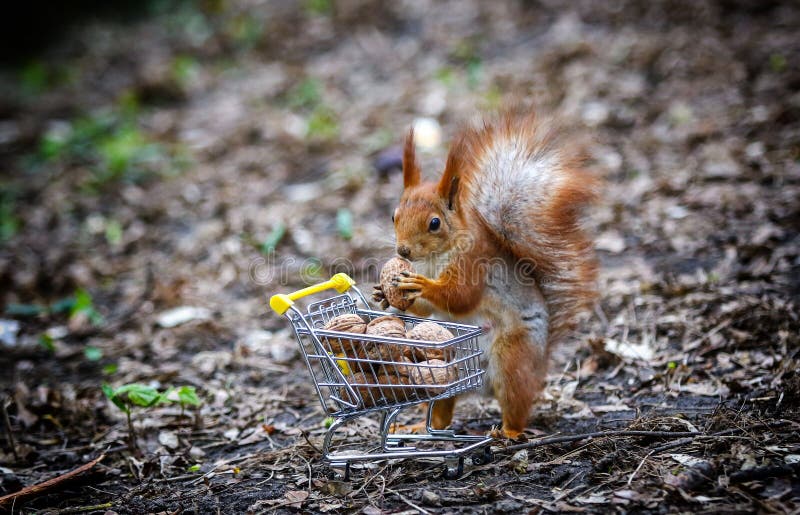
<point x="168" y="439"/>
<point x="595" y="113"/>
<point x="431" y="498"/>
<point x="8" y="332"/>
<point x="181" y="315"/>
<point x="207" y="362"/>
<point x="519" y="461"/>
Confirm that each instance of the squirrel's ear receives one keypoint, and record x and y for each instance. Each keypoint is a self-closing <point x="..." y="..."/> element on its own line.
<point x="411" y="173"/>
<point x="448" y="184"/>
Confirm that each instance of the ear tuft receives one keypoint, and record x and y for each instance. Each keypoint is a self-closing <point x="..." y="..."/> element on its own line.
<point x="452" y="194"/>
<point x="448" y="184"/>
<point x="411" y="173"/>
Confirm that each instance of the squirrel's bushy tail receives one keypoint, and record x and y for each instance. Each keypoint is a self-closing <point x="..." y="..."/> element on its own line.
<point x="530" y="192"/>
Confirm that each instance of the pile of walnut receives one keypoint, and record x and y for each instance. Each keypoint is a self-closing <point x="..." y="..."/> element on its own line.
<point x="424" y="370"/>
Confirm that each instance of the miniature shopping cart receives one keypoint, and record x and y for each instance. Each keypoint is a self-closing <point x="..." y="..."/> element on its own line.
<point x="366" y="378"/>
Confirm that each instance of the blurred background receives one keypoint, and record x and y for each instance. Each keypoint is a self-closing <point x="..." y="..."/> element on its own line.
<point x="166" y="165"/>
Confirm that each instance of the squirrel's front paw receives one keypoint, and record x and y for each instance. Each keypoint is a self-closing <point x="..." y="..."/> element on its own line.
<point x="413" y="284"/>
<point x="379" y="297"/>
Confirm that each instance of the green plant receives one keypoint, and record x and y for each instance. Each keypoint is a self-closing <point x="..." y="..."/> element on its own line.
<point x="319" y="7"/>
<point x="344" y="223"/>
<point x="34" y="78"/>
<point x="111" y="145"/>
<point x="187" y="396"/>
<point x="270" y="243"/>
<point x="305" y="95"/>
<point x="128" y="396"/>
<point x="110" y="369"/>
<point x="9" y="222"/>
<point x="84" y="306"/>
<point x="47" y="342"/>
<point x="777" y="62"/>
<point x="323" y="123"/>
<point x="245" y="31"/>
<point x="113" y="232"/>
<point x="185" y="69"/>
<point x="92" y="353"/>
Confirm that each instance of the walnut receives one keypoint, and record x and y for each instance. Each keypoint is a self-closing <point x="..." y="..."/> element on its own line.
<point x="348" y="323"/>
<point x="390" y="271"/>
<point x="428" y="332"/>
<point x="433" y="375"/>
<point x="381" y="389"/>
<point x="400" y="365"/>
<point x="388" y="326"/>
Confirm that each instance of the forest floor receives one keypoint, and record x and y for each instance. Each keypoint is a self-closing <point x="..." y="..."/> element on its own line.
<point x="163" y="175"/>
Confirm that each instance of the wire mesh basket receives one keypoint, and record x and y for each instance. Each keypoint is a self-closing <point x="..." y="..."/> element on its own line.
<point x="361" y="374"/>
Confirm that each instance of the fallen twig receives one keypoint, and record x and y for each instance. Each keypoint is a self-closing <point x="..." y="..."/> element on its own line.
<point x="40" y="487"/>
<point x="600" y="434"/>
<point x="724" y="432"/>
<point x="81" y="509"/>
<point x="408" y="501"/>
<point x="641" y="464"/>
<point x="686" y="436"/>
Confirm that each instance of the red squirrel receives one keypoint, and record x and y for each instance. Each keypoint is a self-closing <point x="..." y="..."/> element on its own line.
<point x="497" y="241"/>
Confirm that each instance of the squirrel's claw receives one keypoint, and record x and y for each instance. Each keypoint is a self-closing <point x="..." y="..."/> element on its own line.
<point x="379" y="297"/>
<point x="411" y="282"/>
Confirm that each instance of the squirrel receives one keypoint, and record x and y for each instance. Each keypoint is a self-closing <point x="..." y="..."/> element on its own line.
<point x="499" y="242"/>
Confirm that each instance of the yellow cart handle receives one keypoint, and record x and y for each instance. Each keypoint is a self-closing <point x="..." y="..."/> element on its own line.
<point x="280" y="303"/>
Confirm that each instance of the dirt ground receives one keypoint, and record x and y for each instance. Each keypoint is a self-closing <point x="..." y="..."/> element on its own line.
<point x="205" y="155"/>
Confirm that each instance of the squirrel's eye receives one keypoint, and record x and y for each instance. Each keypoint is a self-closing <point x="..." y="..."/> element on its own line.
<point x="392" y="218"/>
<point x="435" y="224"/>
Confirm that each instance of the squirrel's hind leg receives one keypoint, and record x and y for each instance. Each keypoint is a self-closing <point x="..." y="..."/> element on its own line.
<point x="442" y="414"/>
<point x="519" y="371"/>
<point x="441" y="417"/>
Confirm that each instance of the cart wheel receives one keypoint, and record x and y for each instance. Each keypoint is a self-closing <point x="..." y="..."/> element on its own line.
<point x="451" y="472"/>
<point x="336" y="475"/>
<point x="484" y="457"/>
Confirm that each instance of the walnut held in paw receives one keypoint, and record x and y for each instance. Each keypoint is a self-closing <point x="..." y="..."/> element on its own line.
<point x="428" y="332"/>
<point x="348" y="323"/>
<point x="389" y="273"/>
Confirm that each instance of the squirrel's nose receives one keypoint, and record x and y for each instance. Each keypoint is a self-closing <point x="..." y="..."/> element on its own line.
<point x="404" y="251"/>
